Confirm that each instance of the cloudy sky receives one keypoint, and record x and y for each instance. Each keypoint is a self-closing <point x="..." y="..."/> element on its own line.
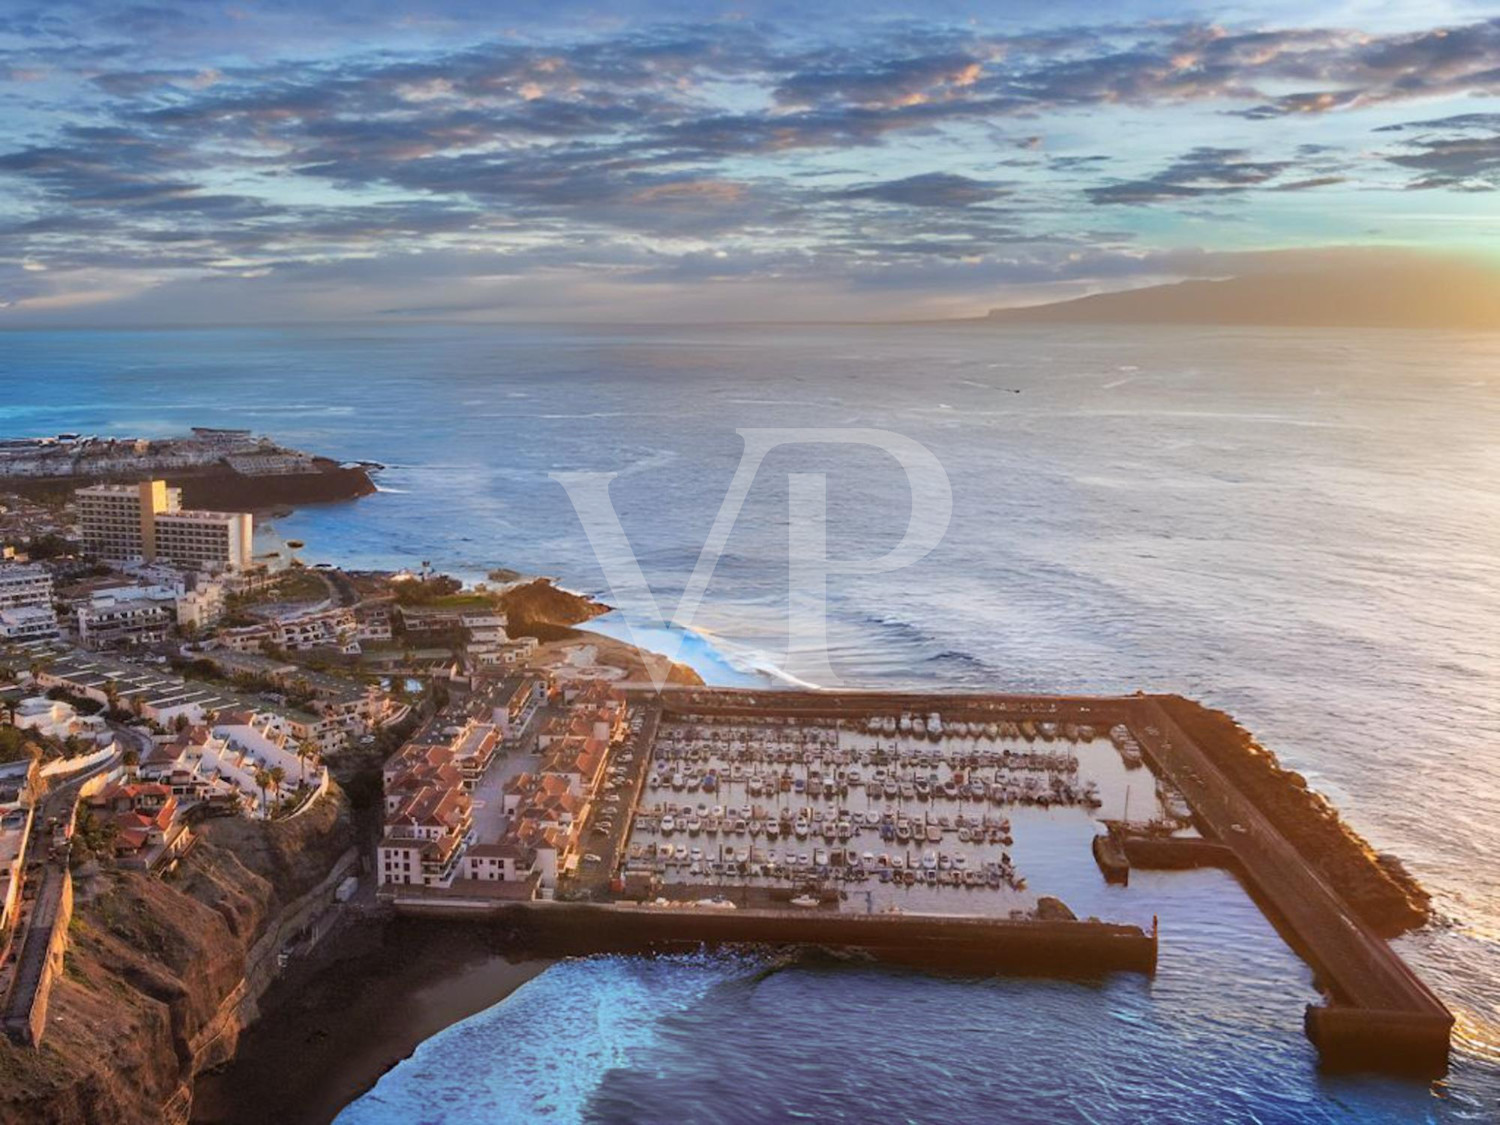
<point x="191" y="161"/>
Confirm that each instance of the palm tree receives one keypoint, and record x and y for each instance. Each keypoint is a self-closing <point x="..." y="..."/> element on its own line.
<point x="263" y="782"/>
<point x="306" y="750"/>
<point x="112" y="695"/>
<point x="277" y="775"/>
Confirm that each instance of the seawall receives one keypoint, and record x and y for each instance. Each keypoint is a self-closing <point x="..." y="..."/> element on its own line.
<point x="998" y="946"/>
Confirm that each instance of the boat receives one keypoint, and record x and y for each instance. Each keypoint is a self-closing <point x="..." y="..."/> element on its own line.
<point x="668" y="826"/>
<point x="805" y="902"/>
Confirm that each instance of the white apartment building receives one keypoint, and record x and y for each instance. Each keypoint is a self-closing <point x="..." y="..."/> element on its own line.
<point x="146" y="522"/>
<point x="134" y="621"/>
<point x="28" y="623"/>
<point x="23" y="584"/>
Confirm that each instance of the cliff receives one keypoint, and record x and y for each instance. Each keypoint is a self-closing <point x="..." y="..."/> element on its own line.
<point x="162" y="974"/>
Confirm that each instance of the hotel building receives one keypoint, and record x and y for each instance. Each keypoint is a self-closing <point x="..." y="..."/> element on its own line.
<point x="146" y="522"/>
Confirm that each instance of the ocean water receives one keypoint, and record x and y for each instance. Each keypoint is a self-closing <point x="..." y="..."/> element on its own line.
<point x="1300" y="527"/>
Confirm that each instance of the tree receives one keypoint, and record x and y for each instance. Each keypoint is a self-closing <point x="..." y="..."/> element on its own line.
<point x="112" y="695"/>
<point x="263" y="782"/>
<point x="307" y="751"/>
<point x="277" y="776"/>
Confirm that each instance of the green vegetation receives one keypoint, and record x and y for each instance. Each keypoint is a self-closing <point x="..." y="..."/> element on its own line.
<point x="442" y="592"/>
<point x="16" y="744"/>
<point x="93" y="838"/>
<point x="297" y="584"/>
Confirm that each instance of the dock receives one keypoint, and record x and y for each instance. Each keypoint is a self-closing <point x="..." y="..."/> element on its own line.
<point x="1378" y="1015"/>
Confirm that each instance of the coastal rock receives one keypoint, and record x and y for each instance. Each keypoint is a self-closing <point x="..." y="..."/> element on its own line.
<point x="1050" y="909"/>
<point x="540" y="609"/>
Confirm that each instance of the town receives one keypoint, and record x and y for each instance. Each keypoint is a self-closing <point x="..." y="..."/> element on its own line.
<point x="158" y="674"/>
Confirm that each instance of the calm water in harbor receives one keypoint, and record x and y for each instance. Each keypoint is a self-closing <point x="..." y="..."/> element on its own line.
<point x="1300" y="527"/>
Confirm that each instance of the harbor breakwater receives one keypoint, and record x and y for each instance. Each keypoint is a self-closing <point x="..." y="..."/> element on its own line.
<point x="967" y="945"/>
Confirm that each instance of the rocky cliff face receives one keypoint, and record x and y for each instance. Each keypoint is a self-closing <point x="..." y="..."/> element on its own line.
<point x="162" y="974"/>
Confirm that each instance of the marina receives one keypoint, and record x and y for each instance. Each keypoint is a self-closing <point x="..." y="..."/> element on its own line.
<point x="899" y="811"/>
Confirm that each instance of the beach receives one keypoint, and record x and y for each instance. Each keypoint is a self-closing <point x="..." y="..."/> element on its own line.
<point x="334" y="1022"/>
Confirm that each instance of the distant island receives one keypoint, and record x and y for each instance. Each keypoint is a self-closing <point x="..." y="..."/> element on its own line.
<point x="1378" y="293"/>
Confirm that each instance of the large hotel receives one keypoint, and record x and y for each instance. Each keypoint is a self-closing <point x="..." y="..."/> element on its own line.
<point x="146" y="522"/>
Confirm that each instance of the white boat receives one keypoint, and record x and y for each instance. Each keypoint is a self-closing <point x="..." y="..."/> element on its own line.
<point x="668" y="825"/>
<point x="805" y="902"/>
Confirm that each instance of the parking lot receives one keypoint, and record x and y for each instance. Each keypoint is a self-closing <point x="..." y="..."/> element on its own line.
<point x="607" y="826"/>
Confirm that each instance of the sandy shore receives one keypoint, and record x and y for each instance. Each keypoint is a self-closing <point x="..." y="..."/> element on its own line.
<point x="332" y="1025"/>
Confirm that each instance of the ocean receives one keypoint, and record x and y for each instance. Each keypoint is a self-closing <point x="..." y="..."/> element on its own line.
<point x="1300" y="527"/>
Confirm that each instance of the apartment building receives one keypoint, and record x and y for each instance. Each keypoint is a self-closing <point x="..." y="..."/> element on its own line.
<point x="133" y="621"/>
<point x="146" y="522"/>
<point x="28" y="623"/>
<point x="23" y="585"/>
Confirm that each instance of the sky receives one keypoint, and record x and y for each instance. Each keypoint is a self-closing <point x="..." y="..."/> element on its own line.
<point x="195" y="162"/>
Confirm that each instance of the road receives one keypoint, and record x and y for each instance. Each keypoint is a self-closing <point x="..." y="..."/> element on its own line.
<point x="36" y="942"/>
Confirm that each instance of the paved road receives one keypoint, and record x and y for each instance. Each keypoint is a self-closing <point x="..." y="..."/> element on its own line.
<point x="58" y="803"/>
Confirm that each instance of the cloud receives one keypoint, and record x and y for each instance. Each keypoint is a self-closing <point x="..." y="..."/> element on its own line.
<point x="168" y="144"/>
<point x="1205" y="171"/>
<point x="931" y="189"/>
